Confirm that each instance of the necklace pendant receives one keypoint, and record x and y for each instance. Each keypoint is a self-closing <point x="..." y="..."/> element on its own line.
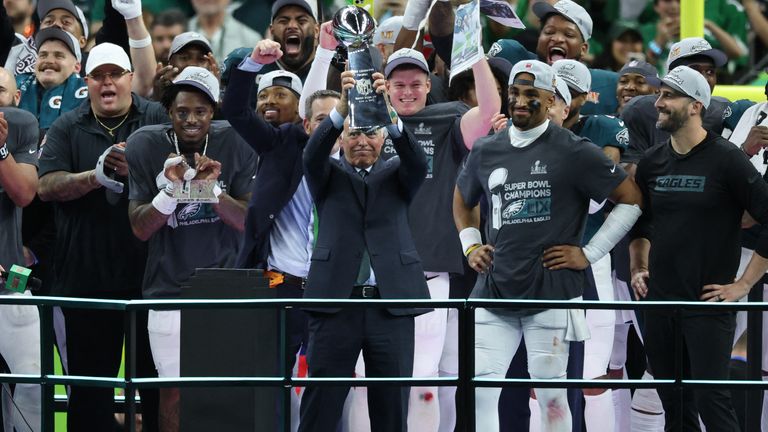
<point x="112" y="134"/>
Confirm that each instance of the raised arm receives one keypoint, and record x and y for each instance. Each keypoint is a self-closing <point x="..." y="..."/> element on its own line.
<point x="318" y="73"/>
<point x="477" y="122"/>
<point x="259" y="134"/>
<point x="17" y="179"/>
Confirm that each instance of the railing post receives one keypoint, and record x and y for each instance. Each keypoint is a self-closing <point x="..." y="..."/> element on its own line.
<point x="466" y="389"/>
<point x="285" y="371"/>
<point x="754" y="399"/>
<point x="679" y="363"/>
<point x="48" y="407"/>
<point x="130" y="368"/>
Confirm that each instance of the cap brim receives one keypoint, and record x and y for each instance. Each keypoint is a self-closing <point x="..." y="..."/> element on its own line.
<point x="718" y="58"/>
<point x="401" y="61"/>
<point x="650" y="79"/>
<point x="198" y="86"/>
<point x="55" y="33"/>
<point x="542" y="9"/>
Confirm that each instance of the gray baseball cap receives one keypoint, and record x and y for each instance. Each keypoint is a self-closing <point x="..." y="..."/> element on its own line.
<point x="281" y="78"/>
<point x="55" y="33"/>
<point x="643" y="68"/>
<point x="405" y="56"/>
<point x="569" y="10"/>
<point x="186" y="38"/>
<point x="279" y="4"/>
<point x="543" y="74"/>
<point x="561" y="89"/>
<point x="574" y="73"/>
<point x="387" y="31"/>
<point x="201" y="79"/>
<point x="690" y="83"/>
<point x="45" y="6"/>
<point x="694" y="46"/>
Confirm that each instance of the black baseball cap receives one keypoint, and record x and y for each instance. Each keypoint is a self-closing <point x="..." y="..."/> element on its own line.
<point x="279" y="4"/>
<point x="45" y="6"/>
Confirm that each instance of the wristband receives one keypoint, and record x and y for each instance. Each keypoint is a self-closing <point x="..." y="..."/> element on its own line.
<point x="4" y="152"/>
<point x="164" y="201"/>
<point x="470" y="237"/>
<point x="140" y="43"/>
<point x="655" y="48"/>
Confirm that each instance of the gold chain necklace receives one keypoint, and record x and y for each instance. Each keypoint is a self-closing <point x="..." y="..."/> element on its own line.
<point x="110" y="130"/>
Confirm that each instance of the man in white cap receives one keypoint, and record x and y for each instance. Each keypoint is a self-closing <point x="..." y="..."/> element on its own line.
<point x="697" y="180"/>
<point x="83" y="171"/>
<point x="277" y="100"/>
<point x="538" y="179"/>
<point x="158" y="158"/>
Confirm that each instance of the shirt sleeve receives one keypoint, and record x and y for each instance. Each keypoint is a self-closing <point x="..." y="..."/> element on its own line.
<point x="242" y="184"/>
<point x="643" y="227"/>
<point x="141" y="181"/>
<point x="25" y="128"/>
<point x="56" y="148"/>
<point x="603" y="175"/>
<point x="468" y="181"/>
<point x="751" y="191"/>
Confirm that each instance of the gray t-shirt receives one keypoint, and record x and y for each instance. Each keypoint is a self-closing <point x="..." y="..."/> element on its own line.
<point x="538" y="197"/>
<point x="438" y="129"/>
<point x="194" y="237"/>
<point x="22" y="144"/>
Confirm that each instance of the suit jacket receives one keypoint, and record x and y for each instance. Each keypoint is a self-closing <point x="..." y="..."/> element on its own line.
<point x="355" y="214"/>
<point x="279" y="169"/>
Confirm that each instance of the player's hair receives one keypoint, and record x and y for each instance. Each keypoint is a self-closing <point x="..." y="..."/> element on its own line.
<point x="320" y="94"/>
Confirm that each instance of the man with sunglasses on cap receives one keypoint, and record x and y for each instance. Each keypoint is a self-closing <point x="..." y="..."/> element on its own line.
<point x="56" y="86"/>
<point x="83" y="171"/>
<point x="538" y="179"/>
<point x="65" y="15"/>
<point x="159" y="158"/>
<point x="698" y="180"/>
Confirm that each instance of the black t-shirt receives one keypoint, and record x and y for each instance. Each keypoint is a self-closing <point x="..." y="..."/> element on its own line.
<point x="437" y="128"/>
<point x="96" y="251"/>
<point x="640" y="116"/>
<point x="692" y="215"/>
<point x="22" y="144"/>
<point x="195" y="236"/>
<point x="539" y="197"/>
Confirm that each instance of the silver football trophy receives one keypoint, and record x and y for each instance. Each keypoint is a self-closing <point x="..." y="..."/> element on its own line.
<point x="354" y="28"/>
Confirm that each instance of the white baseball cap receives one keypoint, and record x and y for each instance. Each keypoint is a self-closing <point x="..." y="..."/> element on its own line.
<point x="107" y="53"/>
<point x="574" y="73"/>
<point x="695" y="46"/>
<point x="561" y="89"/>
<point x="569" y="10"/>
<point x="387" y="31"/>
<point x="405" y="56"/>
<point x="201" y="79"/>
<point x="543" y="74"/>
<point x="690" y="83"/>
<point x="281" y="78"/>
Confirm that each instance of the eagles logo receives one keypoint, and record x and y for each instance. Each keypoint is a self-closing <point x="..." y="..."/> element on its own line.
<point x="623" y="137"/>
<point x="514" y="208"/>
<point x="495" y="50"/>
<point x="364" y="86"/>
<point x="189" y="211"/>
<point x="728" y="112"/>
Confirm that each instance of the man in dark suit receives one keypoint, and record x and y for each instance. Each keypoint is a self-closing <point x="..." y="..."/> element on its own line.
<point x="364" y="250"/>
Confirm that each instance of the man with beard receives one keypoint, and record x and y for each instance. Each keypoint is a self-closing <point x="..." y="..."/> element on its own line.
<point x="214" y="20"/>
<point x="698" y="180"/>
<point x="566" y="29"/>
<point x="538" y="179"/>
<point x="279" y="234"/>
<point x="294" y="27"/>
<point x="83" y="172"/>
<point x="164" y="29"/>
<point x="218" y="154"/>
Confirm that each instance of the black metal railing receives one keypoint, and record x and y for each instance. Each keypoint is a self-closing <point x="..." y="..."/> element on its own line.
<point x="466" y="382"/>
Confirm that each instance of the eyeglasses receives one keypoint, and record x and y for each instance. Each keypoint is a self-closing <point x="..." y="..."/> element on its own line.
<point x="101" y="76"/>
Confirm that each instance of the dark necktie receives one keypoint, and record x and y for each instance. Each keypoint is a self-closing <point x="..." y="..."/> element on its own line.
<point x="364" y="273"/>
